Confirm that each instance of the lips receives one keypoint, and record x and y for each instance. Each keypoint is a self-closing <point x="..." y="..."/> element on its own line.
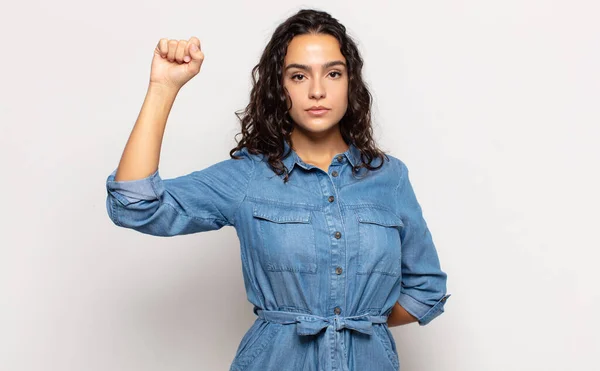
<point x="317" y="112"/>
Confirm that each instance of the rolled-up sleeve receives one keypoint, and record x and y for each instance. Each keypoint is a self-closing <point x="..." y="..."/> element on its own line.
<point x="423" y="293"/>
<point x="200" y="201"/>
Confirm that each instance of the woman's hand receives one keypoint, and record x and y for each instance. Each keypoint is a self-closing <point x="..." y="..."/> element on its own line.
<point x="176" y="62"/>
<point x="400" y="316"/>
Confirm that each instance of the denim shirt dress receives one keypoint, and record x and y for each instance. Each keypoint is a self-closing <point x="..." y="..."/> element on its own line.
<point x="325" y="256"/>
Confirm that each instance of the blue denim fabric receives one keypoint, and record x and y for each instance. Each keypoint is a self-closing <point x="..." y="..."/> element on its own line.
<point x="325" y="257"/>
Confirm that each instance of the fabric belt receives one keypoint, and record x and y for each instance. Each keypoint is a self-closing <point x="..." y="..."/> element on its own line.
<point x="310" y="324"/>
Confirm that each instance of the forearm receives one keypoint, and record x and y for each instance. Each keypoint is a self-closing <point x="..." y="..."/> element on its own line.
<point x="141" y="154"/>
<point x="400" y="316"/>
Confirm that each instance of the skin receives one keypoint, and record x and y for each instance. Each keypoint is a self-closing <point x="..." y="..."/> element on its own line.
<point x="318" y="139"/>
<point x="400" y="316"/>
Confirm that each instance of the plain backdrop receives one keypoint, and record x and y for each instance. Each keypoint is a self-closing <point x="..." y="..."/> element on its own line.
<point x="493" y="105"/>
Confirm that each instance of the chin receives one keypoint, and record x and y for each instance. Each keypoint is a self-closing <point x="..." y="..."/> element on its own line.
<point x="317" y="128"/>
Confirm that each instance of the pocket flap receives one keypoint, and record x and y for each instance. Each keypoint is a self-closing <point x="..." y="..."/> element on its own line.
<point x="279" y="214"/>
<point x="380" y="217"/>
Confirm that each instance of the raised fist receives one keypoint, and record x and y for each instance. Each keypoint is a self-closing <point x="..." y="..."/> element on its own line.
<point x="175" y="62"/>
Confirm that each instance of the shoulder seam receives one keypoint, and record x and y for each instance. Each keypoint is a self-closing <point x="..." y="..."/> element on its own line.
<point x="250" y="176"/>
<point x="225" y="220"/>
<point x="402" y="174"/>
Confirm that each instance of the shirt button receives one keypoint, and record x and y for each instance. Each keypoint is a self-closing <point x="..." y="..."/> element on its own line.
<point x="337" y="310"/>
<point x="338" y="270"/>
<point x="338" y="235"/>
<point x="331" y="198"/>
<point x="334" y="173"/>
<point x="340" y="158"/>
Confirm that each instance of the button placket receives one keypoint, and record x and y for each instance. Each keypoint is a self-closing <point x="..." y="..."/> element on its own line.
<point x="337" y="269"/>
<point x="339" y="159"/>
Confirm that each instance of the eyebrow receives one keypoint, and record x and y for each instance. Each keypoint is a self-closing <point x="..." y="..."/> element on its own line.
<point x="309" y="68"/>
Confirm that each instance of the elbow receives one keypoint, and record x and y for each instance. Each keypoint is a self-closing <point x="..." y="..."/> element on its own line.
<point x="421" y="310"/>
<point x="139" y="216"/>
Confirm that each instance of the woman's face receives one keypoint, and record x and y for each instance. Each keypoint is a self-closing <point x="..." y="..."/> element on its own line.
<point x="314" y="74"/>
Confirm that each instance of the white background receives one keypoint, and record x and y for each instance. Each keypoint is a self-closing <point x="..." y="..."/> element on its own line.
<point x="493" y="105"/>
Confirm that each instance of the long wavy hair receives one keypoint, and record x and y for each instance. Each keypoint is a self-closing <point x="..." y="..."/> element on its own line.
<point x="266" y="123"/>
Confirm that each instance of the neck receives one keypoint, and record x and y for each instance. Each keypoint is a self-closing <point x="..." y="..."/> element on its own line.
<point x="318" y="149"/>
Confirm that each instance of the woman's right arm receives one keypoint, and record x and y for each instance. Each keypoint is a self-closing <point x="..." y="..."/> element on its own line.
<point x="142" y="152"/>
<point x="174" y="63"/>
<point x="137" y="197"/>
<point x="203" y="200"/>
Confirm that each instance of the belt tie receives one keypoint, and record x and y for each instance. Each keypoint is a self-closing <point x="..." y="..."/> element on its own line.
<point x="310" y="324"/>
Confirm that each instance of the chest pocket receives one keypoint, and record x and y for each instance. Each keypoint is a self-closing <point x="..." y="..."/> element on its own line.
<point x="379" y="242"/>
<point x="287" y="237"/>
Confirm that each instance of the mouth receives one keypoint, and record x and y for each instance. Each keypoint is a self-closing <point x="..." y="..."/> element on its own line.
<point x="318" y="112"/>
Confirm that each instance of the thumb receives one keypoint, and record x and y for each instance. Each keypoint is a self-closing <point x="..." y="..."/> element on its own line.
<point x="196" y="54"/>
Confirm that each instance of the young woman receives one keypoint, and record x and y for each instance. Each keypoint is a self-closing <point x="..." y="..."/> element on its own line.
<point x="334" y="246"/>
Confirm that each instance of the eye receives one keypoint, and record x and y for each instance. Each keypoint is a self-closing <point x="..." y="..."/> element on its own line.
<point x="300" y="75"/>
<point x="296" y="75"/>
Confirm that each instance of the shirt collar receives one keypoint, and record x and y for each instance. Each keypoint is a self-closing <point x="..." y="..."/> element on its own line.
<point x="352" y="154"/>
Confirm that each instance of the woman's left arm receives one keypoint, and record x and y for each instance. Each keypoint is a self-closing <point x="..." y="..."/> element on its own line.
<point x="400" y="316"/>
<point x="423" y="293"/>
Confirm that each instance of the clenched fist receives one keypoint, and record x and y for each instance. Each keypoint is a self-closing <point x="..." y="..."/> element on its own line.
<point x="175" y="62"/>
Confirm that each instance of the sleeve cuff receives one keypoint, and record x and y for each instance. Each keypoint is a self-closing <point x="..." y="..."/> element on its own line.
<point x="129" y="191"/>
<point x="423" y="312"/>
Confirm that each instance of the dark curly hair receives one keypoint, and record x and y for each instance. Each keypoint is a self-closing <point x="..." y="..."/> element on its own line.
<point x="265" y="122"/>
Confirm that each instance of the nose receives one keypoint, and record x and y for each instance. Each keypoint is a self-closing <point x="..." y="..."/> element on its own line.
<point x="317" y="91"/>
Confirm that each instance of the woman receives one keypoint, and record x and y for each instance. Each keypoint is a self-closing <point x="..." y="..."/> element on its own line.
<point x="333" y="243"/>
